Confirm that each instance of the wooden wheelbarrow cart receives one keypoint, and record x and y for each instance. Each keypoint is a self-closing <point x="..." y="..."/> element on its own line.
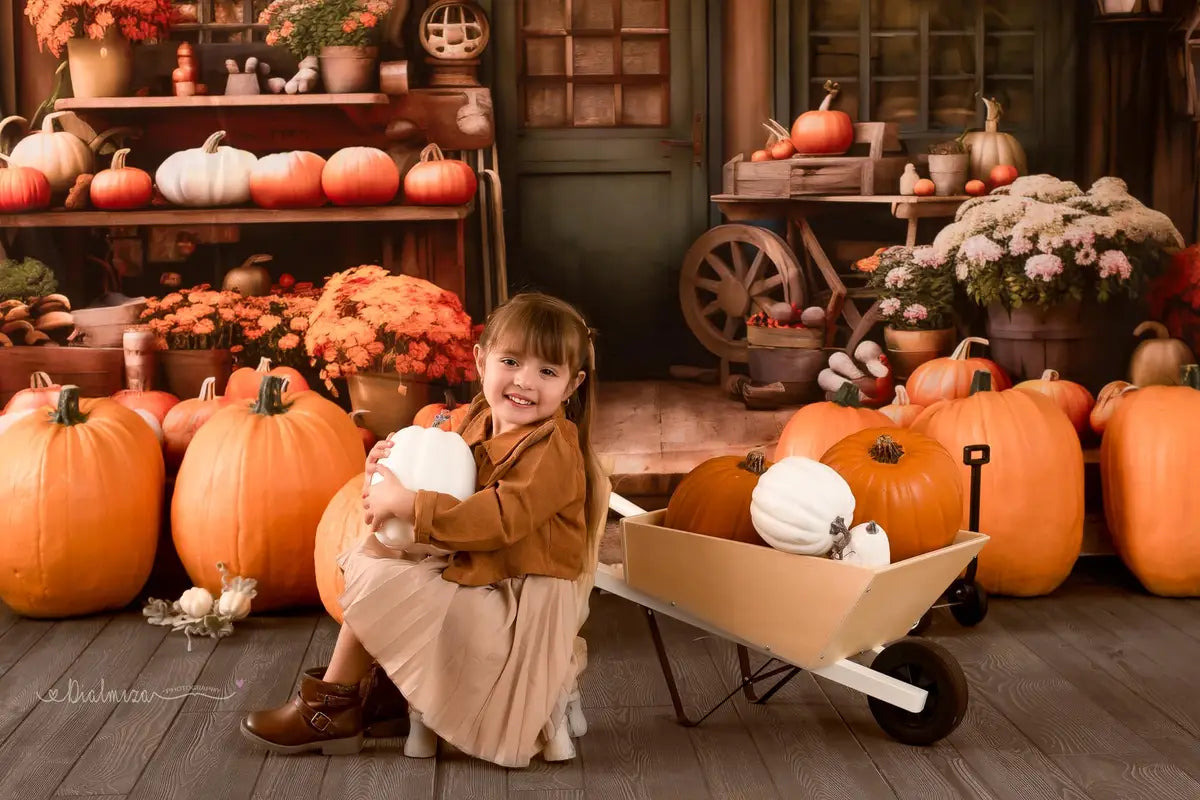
<point x="807" y="613"/>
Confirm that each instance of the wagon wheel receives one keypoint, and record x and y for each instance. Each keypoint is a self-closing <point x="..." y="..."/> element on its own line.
<point x="929" y="666"/>
<point x="729" y="273"/>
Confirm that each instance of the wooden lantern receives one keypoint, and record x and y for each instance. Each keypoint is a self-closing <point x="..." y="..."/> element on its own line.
<point x="454" y="33"/>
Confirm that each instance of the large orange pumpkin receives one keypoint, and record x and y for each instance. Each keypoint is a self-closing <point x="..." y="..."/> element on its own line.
<point x="1110" y="396"/>
<point x="1031" y="500"/>
<point x="288" y="180"/>
<point x="823" y="131"/>
<point x="816" y="427"/>
<point x="183" y="420"/>
<point x="949" y="377"/>
<point x="81" y="488"/>
<point x="341" y="527"/>
<point x="906" y="482"/>
<point x="1073" y="398"/>
<point x="42" y="391"/>
<point x="714" y="498"/>
<point x="252" y="488"/>
<point x="244" y="383"/>
<point x="1148" y="476"/>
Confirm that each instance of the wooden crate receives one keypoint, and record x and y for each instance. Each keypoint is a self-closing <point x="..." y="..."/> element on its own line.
<point x="873" y="165"/>
<point x="808" y="610"/>
<point x="97" y="371"/>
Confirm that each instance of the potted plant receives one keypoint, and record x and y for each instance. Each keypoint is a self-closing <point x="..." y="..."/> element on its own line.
<point x="949" y="163"/>
<point x="343" y="34"/>
<point x="97" y="36"/>
<point x="396" y="339"/>
<point x="1041" y="256"/>
<point x="196" y="330"/>
<point x="916" y="303"/>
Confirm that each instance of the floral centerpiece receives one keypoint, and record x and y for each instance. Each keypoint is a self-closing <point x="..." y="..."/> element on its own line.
<point x="306" y="26"/>
<point x="389" y="334"/>
<point x="58" y="21"/>
<point x="1041" y="241"/>
<point x="915" y="287"/>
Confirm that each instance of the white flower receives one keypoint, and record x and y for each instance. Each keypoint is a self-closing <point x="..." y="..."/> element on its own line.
<point x="1019" y="245"/>
<point x="897" y="277"/>
<point x="1114" y="262"/>
<point x="1044" y="266"/>
<point x="889" y="306"/>
<point x="980" y="250"/>
<point x="1085" y="256"/>
<point x="916" y="312"/>
<point x="928" y="256"/>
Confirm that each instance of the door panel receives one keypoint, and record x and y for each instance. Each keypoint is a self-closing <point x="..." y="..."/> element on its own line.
<point x="600" y="102"/>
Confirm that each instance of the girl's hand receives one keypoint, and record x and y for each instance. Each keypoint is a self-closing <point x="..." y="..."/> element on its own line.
<point x="381" y="449"/>
<point x="388" y="498"/>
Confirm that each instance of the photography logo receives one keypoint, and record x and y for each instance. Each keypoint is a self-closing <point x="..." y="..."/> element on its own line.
<point x="76" y="693"/>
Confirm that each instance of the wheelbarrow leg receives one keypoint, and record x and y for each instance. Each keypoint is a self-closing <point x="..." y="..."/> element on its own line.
<point x="749" y="678"/>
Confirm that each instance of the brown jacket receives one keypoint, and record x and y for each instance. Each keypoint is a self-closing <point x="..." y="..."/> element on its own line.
<point x="527" y="517"/>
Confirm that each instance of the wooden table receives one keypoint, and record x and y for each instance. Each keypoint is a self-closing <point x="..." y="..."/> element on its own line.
<point x="798" y="210"/>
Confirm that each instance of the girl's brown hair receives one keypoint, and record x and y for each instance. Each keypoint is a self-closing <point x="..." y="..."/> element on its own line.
<point x="553" y="330"/>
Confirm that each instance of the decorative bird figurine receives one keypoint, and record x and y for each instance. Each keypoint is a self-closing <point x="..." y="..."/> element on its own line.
<point x="869" y="371"/>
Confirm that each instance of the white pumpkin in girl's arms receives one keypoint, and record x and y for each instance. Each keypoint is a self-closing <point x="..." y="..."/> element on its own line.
<point x="430" y="459"/>
<point x="797" y="504"/>
<point x="10" y="419"/>
<point x="866" y="545"/>
<point x="211" y="175"/>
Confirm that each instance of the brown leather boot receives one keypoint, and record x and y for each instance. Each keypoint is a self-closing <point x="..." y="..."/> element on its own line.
<point x="322" y="716"/>
<point x="385" y="711"/>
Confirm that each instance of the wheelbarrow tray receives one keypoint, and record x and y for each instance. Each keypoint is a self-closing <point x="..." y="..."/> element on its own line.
<point x="806" y="610"/>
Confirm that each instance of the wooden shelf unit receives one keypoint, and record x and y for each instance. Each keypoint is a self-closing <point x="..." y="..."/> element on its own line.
<point x="234" y="216"/>
<point x="221" y="101"/>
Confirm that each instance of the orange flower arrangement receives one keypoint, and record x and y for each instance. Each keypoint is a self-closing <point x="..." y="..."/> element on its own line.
<point x="369" y="320"/>
<point x="57" y="21"/>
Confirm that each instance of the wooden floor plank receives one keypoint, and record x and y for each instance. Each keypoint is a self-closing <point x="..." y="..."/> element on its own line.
<point x="42" y="665"/>
<point x="22" y="635"/>
<point x="548" y="794"/>
<point x="380" y="771"/>
<point x="640" y="753"/>
<point x="205" y="754"/>
<point x="120" y="750"/>
<point x="541" y="776"/>
<point x="75" y="708"/>
<point x="8" y="618"/>
<point x="257" y="666"/>
<point x="460" y="776"/>
<point x="1035" y="625"/>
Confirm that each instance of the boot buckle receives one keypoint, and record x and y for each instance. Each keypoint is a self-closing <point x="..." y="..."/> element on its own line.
<point x="321" y="721"/>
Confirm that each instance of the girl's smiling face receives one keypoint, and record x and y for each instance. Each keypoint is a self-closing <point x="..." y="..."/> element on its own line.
<point x="521" y="388"/>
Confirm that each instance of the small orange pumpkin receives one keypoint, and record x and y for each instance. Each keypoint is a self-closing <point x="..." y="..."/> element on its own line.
<point x="714" y="498"/>
<point x="901" y="411"/>
<point x="120" y="187"/>
<point x="906" y="482"/>
<point x="823" y="131"/>
<point x="360" y="176"/>
<point x="184" y="419"/>
<point x="1073" y="398"/>
<point x="949" y="377"/>
<point x="1107" y="401"/>
<point x="156" y="402"/>
<point x="341" y="527"/>
<point x="22" y="188"/>
<point x="816" y="427"/>
<point x="288" y="180"/>
<point x="244" y="383"/>
<point x="42" y="391"/>
<point x="448" y="415"/>
<point x="439" y="181"/>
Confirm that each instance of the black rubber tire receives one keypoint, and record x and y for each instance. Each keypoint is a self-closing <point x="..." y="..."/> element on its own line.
<point x="922" y="624"/>
<point x="931" y="667"/>
<point x="969" y="602"/>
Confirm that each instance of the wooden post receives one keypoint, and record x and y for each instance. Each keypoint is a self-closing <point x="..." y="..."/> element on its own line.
<point x="747" y="55"/>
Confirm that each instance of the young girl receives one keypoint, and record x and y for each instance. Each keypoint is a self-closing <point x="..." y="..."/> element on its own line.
<point x="479" y="638"/>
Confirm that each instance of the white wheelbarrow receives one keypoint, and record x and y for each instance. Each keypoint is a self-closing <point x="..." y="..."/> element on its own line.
<point x="805" y="612"/>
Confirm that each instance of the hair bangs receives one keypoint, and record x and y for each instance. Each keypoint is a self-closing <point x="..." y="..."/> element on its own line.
<point x="541" y="330"/>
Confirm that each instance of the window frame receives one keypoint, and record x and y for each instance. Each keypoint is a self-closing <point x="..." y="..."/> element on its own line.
<point x="205" y="27"/>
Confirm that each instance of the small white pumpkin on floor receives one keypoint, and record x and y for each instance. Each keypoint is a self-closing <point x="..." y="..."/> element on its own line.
<point x="865" y="545"/>
<point x="430" y="459"/>
<point x="798" y="505"/>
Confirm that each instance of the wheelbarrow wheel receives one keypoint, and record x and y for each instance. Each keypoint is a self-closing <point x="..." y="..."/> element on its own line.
<point x="968" y="602"/>
<point x="929" y="666"/>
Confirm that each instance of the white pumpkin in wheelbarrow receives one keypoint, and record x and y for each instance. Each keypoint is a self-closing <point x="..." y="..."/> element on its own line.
<point x="801" y="506"/>
<point x="430" y="459"/>
<point x="211" y="175"/>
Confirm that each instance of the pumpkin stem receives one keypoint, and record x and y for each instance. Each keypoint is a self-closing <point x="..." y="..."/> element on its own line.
<point x="832" y="88"/>
<point x="964" y="347"/>
<point x="68" y="412"/>
<point x="4" y="158"/>
<point x="981" y="381"/>
<point x="1160" y="330"/>
<point x="886" y="450"/>
<point x="264" y="365"/>
<point x="848" y="396"/>
<point x="212" y="142"/>
<point x="1189" y="375"/>
<point x="270" y="397"/>
<point x="994" y="110"/>
<point x="755" y="461"/>
<point x="118" y="159"/>
<point x="208" y="390"/>
<point x="901" y="398"/>
<point x="841" y="538"/>
<point x="431" y="152"/>
<point x="1050" y="375"/>
<point x="40" y="380"/>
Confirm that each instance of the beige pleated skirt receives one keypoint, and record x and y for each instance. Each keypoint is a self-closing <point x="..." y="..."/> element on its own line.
<point x="488" y="667"/>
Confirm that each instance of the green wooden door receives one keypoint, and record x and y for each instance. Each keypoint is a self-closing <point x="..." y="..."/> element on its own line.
<point x="603" y="136"/>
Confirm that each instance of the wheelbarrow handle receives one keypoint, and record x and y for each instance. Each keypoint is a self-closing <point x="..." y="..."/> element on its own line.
<point x="975" y="456"/>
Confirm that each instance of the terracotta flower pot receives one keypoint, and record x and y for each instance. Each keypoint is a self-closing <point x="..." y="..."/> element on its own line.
<point x="387" y="409"/>
<point x="347" y="69"/>
<point x="909" y="349"/>
<point x="100" y="67"/>
<point x="182" y="372"/>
